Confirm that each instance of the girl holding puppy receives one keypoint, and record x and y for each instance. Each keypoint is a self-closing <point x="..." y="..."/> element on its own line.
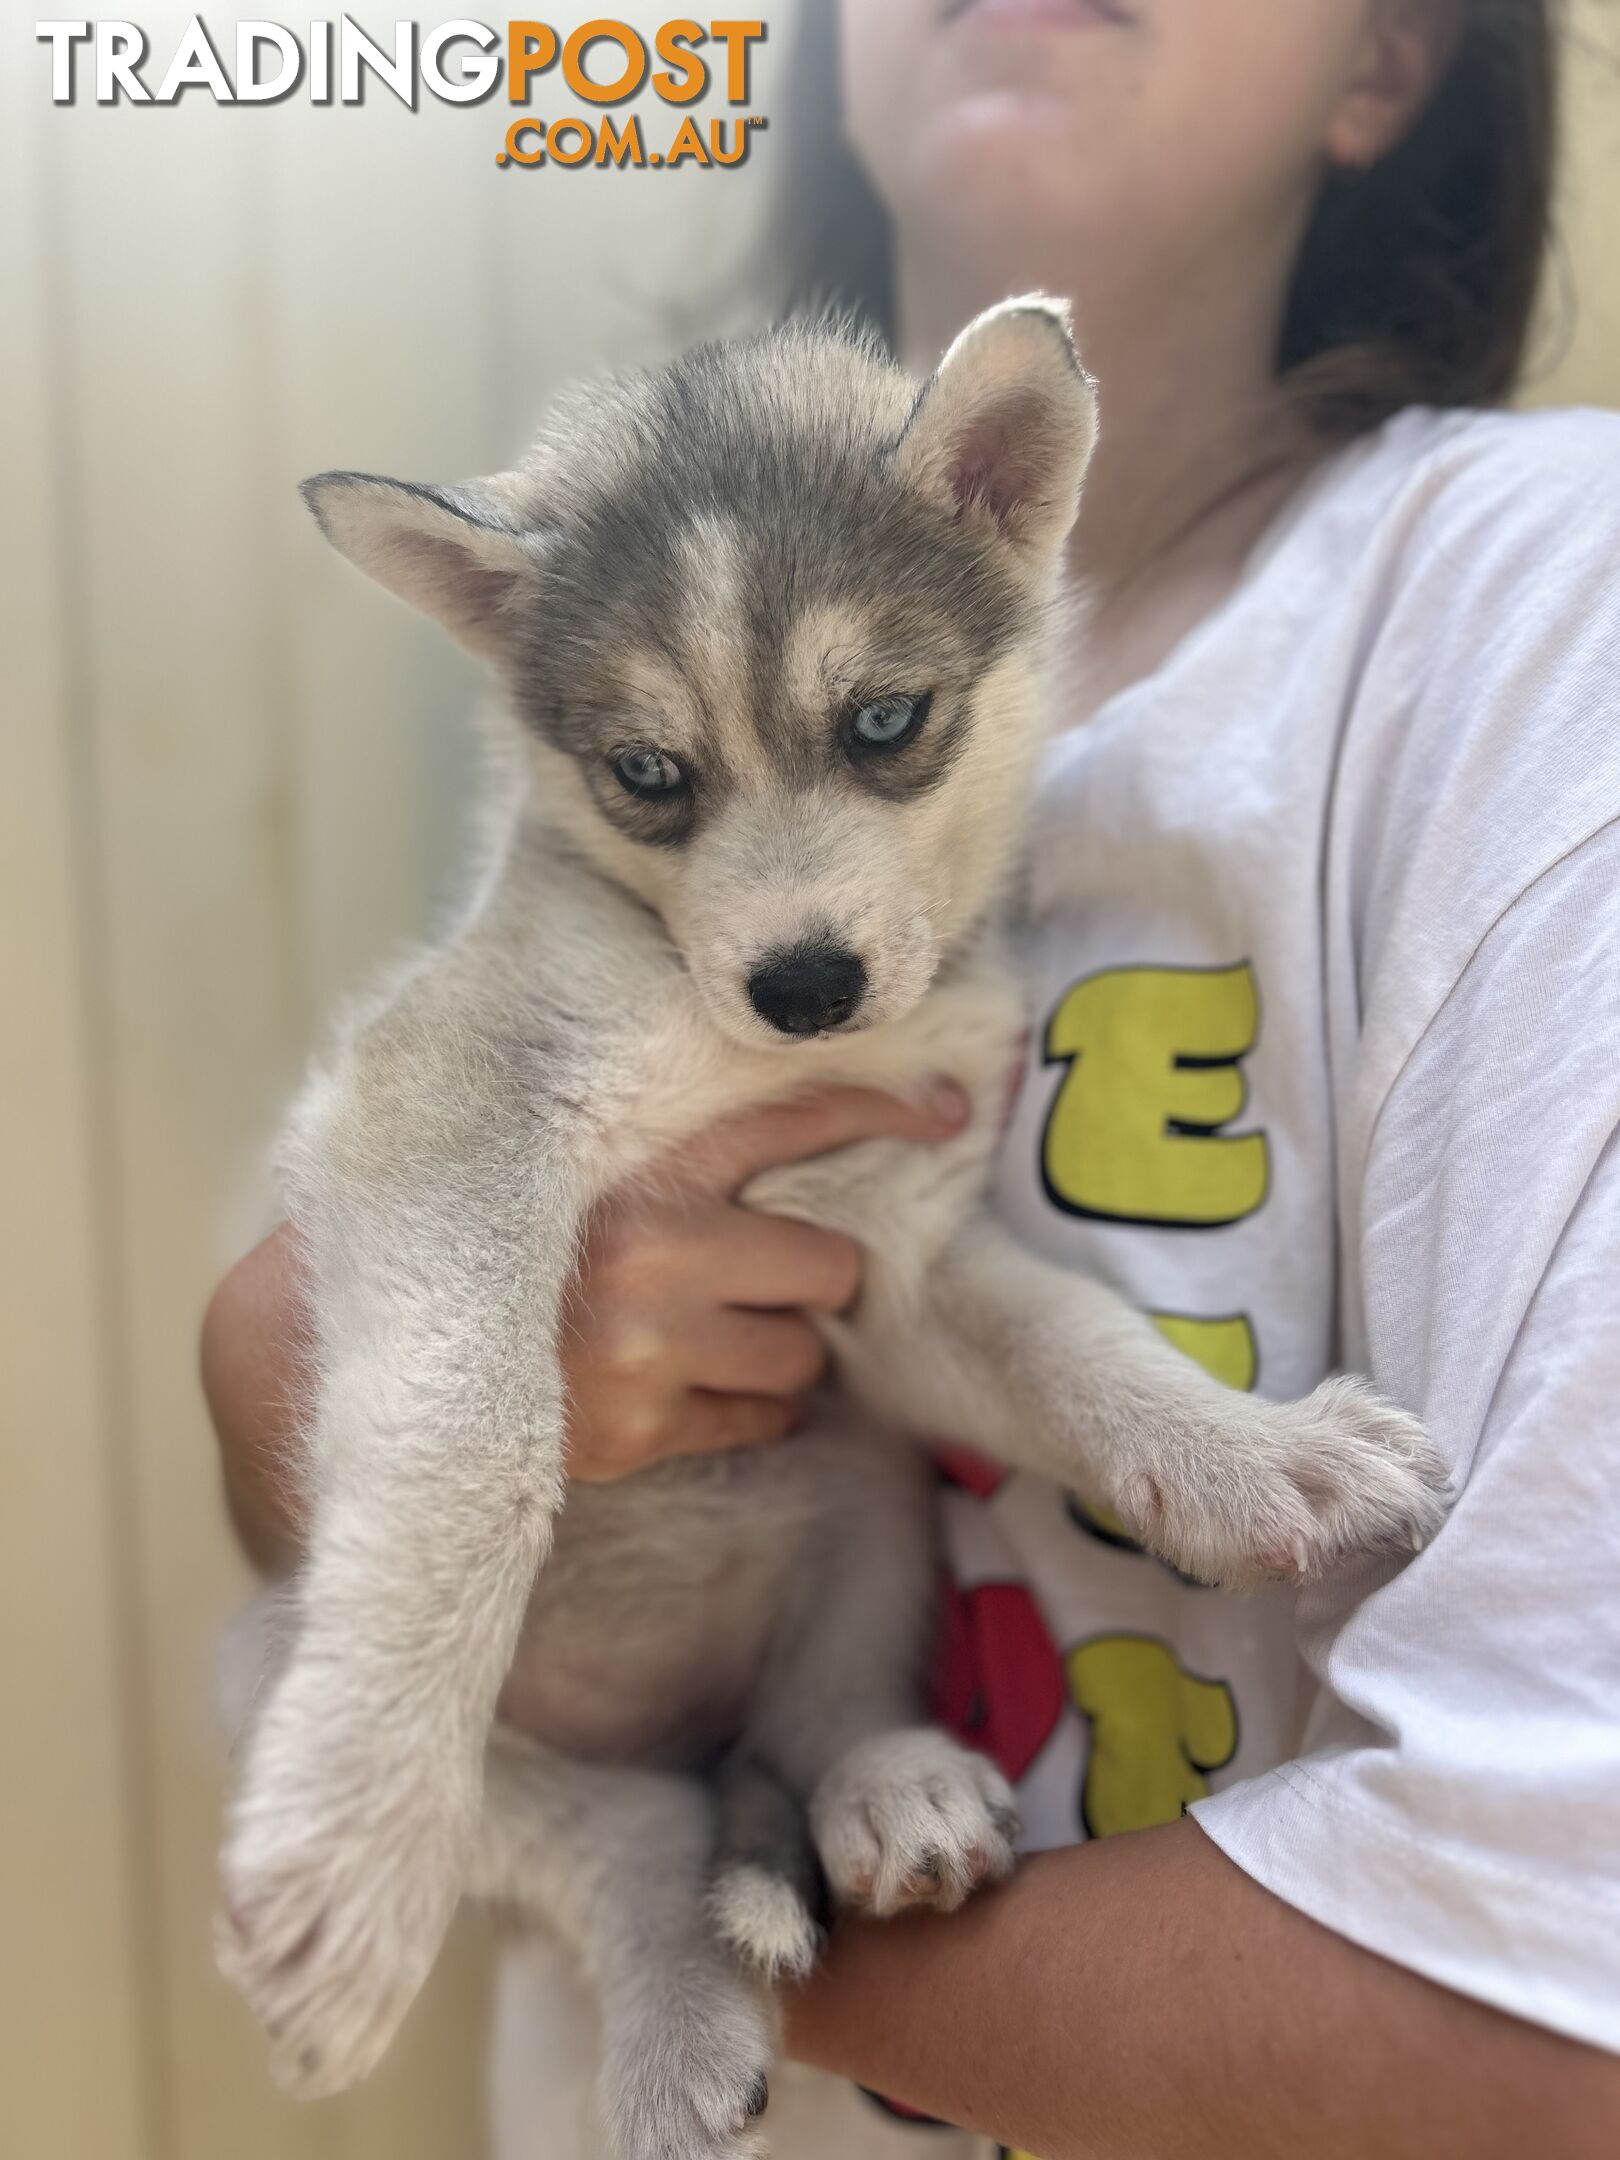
<point x="1325" y="895"/>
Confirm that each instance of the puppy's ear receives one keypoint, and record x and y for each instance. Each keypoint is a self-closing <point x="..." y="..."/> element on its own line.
<point x="1003" y="432"/>
<point x="452" y="552"/>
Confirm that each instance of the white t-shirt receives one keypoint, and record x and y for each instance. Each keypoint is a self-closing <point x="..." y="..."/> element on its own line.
<point x="1325" y="1072"/>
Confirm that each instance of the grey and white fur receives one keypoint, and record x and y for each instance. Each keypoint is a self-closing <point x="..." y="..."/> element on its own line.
<point x="769" y="627"/>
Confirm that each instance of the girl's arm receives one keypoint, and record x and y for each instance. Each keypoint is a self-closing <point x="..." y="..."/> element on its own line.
<point x="255" y="1341"/>
<point x="1140" y="1998"/>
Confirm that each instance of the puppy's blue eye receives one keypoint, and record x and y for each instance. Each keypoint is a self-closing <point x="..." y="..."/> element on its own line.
<point x="887" y="722"/>
<point x="650" y="774"/>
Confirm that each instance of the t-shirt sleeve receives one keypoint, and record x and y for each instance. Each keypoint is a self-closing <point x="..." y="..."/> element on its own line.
<point x="1456" y="1806"/>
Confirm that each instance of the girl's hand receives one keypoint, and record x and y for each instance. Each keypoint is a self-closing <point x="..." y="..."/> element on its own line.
<point x="684" y="1331"/>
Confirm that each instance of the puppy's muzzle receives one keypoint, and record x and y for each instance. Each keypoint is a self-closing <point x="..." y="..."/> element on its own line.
<point x="809" y="989"/>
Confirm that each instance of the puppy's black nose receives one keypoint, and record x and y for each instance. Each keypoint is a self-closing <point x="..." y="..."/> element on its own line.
<point x="808" y="989"/>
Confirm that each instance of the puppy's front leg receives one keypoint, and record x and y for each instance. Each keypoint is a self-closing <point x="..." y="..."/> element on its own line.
<point x="438" y="1254"/>
<point x="1054" y="1372"/>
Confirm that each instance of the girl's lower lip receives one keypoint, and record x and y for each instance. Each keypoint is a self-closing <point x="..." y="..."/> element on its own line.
<point x="1039" y="14"/>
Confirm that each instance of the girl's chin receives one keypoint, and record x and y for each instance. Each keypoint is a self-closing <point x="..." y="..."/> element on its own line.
<point x="1069" y="140"/>
<point x="1004" y="155"/>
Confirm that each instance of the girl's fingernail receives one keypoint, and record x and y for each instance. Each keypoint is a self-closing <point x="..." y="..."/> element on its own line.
<point x="949" y="1101"/>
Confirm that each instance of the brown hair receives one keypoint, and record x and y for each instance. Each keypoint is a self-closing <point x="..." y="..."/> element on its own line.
<point x="1417" y="280"/>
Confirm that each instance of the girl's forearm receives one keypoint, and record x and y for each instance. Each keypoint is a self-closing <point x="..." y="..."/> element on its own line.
<point x="254" y="1346"/>
<point x="1141" y="1999"/>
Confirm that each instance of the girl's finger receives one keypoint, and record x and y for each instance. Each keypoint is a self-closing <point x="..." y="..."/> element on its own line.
<point x="746" y="1258"/>
<point x="732" y="1352"/>
<point x="723" y="1159"/>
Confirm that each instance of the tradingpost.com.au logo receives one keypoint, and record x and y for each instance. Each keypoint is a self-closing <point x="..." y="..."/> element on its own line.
<point x="461" y="62"/>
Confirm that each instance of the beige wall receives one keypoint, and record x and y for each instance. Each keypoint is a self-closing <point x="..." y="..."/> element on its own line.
<point x="224" y="791"/>
<point x="1583" y="339"/>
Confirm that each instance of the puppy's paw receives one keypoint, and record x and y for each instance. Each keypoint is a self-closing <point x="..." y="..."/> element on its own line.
<point x="339" y="1877"/>
<point x="1285" y="1491"/>
<point x="761" y="1917"/>
<point x="913" y="1818"/>
<point x="686" y="2066"/>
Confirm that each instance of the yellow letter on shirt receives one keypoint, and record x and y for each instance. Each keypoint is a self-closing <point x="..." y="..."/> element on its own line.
<point x="1155" y="1730"/>
<point x="1134" y="1134"/>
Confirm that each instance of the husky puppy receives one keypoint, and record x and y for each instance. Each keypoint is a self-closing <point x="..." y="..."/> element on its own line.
<point x="768" y="623"/>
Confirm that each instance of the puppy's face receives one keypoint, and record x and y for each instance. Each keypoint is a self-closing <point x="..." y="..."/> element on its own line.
<point x="771" y="623"/>
<point x="803" y="741"/>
